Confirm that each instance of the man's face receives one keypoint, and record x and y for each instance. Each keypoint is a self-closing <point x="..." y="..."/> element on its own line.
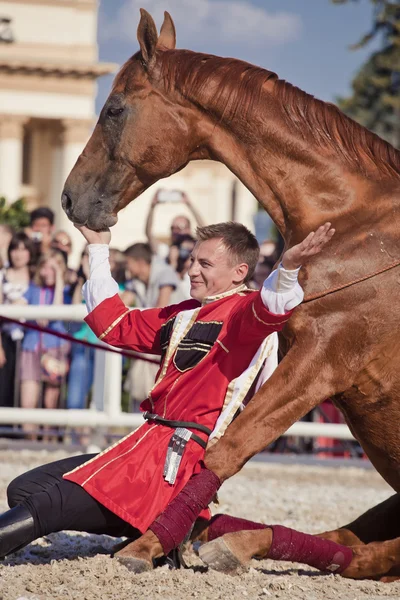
<point x="211" y="271"/>
<point x="42" y="225"/>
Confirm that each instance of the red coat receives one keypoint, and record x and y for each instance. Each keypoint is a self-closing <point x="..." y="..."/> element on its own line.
<point x="198" y="363"/>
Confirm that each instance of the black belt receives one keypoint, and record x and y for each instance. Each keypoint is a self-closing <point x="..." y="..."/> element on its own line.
<point x="174" y="424"/>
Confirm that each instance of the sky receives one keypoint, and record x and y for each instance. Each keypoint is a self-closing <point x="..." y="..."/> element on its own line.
<point x="305" y="42"/>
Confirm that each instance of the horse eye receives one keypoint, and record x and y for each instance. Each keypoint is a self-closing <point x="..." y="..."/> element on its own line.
<point x="114" y="112"/>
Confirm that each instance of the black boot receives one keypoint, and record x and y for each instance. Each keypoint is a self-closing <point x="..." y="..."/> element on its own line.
<point x="16" y="530"/>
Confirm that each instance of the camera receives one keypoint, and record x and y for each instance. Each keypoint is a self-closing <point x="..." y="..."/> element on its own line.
<point x="170" y="196"/>
<point x="37" y="236"/>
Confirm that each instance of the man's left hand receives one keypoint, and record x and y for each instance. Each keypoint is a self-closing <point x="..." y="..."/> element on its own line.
<point x="296" y="256"/>
<point x="95" y="237"/>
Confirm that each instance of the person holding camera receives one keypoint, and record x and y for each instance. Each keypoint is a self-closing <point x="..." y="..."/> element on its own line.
<point x="41" y="228"/>
<point x="179" y="258"/>
<point x="180" y="225"/>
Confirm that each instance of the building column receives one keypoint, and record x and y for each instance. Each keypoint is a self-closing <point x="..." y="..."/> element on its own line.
<point x="67" y="146"/>
<point x="11" y="152"/>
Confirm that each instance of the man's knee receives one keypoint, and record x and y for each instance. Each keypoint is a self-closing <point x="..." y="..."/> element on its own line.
<point x="16" y="491"/>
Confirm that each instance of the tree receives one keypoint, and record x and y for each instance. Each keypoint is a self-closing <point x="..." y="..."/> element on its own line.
<point x="375" y="101"/>
<point x="16" y="215"/>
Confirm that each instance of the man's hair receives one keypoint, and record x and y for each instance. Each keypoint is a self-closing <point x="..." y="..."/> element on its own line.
<point x="240" y="243"/>
<point x="139" y="251"/>
<point x="42" y="213"/>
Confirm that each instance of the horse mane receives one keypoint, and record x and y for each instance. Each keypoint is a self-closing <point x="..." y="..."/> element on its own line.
<point x="228" y="87"/>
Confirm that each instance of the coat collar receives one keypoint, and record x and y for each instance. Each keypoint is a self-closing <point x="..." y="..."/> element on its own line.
<point x="236" y="290"/>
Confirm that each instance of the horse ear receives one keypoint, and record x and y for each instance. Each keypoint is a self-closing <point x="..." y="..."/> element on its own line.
<point x="167" y="37"/>
<point x="147" y="36"/>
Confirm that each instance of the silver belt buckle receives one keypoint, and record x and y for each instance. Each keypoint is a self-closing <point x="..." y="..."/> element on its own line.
<point x="175" y="451"/>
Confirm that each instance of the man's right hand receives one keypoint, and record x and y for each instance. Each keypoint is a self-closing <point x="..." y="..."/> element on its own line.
<point x="95" y="237"/>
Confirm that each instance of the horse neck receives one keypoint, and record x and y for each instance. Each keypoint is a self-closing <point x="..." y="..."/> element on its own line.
<point x="298" y="186"/>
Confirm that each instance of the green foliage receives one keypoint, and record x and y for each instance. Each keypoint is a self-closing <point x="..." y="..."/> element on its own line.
<point x="375" y="99"/>
<point x="15" y="214"/>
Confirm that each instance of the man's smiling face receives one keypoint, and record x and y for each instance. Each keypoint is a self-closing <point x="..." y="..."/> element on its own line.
<point x="213" y="270"/>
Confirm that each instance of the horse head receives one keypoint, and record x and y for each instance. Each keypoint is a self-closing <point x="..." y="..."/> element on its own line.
<point x="134" y="143"/>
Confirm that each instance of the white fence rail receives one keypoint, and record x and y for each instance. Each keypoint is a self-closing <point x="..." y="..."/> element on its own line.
<point x="107" y="388"/>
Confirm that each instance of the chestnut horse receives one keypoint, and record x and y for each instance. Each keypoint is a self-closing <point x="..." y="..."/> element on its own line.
<point x="306" y="163"/>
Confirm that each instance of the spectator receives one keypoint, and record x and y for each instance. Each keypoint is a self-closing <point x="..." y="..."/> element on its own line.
<point x="41" y="227"/>
<point x="153" y="284"/>
<point x="269" y="256"/>
<point x="180" y="260"/>
<point x="261" y="272"/>
<point x="153" y="280"/>
<point x="81" y="371"/>
<point x="180" y="225"/>
<point x="14" y="282"/>
<point x="6" y="233"/>
<point x="62" y="241"/>
<point x="118" y="267"/>
<point x="44" y="357"/>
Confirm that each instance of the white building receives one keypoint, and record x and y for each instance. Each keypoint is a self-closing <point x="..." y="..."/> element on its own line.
<point x="48" y="71"/>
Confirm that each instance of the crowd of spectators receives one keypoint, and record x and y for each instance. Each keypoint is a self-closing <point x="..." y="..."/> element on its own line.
<point x="38" y="369"/>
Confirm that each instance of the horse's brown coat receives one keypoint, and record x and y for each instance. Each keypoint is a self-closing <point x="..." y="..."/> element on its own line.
<point x="306" y="163"/>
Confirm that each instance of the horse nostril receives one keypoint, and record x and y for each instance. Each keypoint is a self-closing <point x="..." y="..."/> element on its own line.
<point x="66" y="203"/>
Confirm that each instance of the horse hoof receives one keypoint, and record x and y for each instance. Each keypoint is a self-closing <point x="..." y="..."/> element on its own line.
<point x="389" y="578"/>
<point x="135" y="565"/>
<point x="218" y="556"/>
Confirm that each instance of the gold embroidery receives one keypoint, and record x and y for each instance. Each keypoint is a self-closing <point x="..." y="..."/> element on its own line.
<point x="209" y="322"/>
<point x="174" y="344"/>
<point x="194" y="348"/>
<point x="118" y="457"/>
<point x="105" y="451"/>
<point x="254" y="372"/>
<point x="240" y="288"/>
<point x="265" y="322"/>
<point x="113" y="324"/>
<point x="222" y="346"/>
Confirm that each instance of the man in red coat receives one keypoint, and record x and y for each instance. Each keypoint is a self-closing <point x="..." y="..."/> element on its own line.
<point x="212" y="349"/>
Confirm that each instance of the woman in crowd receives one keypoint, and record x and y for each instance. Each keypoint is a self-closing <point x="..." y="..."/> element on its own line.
<point x="14" y="281"/>
<point x="44" y="357"/>
<point x="81" y="371"/>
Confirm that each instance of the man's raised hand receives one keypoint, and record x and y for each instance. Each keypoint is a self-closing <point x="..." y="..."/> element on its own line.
<point x="95" y="237"/>
<point x="296" y="256"/>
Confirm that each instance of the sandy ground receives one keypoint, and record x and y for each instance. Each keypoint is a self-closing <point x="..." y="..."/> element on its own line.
<point x="312" y="499"/>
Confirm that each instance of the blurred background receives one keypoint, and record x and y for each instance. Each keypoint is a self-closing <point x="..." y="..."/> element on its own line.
<point x="57" y="62"/>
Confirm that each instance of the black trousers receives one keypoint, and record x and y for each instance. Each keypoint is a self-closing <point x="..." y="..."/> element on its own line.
<point x="57" y="504"/>
<point x="7" y="372"/>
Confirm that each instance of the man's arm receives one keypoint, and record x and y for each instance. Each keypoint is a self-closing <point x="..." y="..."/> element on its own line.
<point x="281" y="292"/>
<point x="108" y="317"/>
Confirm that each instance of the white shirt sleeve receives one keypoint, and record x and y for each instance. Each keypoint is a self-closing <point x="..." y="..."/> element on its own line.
<point x="281" y="291"/>
<point x="100" y="284"/>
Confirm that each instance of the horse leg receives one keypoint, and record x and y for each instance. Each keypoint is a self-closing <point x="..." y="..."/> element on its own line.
<point x="291" y="392"/>
<point x="232" y="553"/>
<point x="378" y="524"/>
<point x="375" y="560"/>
